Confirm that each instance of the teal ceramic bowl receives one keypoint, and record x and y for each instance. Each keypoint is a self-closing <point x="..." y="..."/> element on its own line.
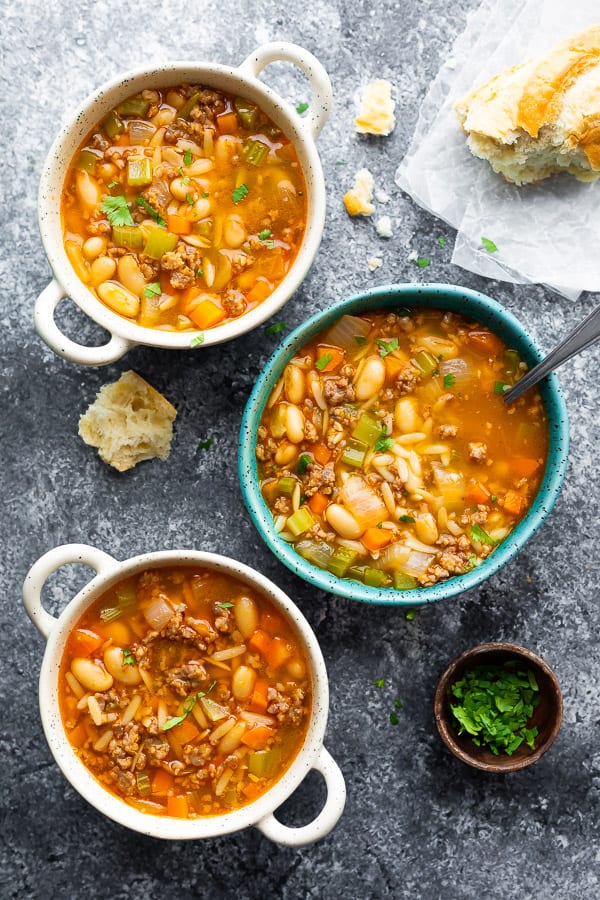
<point x="472" y="305"/>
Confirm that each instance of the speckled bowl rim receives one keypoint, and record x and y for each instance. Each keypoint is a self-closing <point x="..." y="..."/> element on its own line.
<point x="82" y="779"/>
<point x="479" y="308"/>
<point x="96" y="106"/>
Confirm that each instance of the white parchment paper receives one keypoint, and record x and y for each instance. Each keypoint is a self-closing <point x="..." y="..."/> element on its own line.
<point x="548" y="232"/>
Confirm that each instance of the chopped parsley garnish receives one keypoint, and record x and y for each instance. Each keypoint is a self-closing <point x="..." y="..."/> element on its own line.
<point x="187" y="157"/>
<point x="496" y="702"/>
<point x="386" y="347"/>
<point x="301" y="108"/>
<point x="384" y="443"/>
<point x="152" y="290"/>
<point x="224" y="605"/>
<point x="441" y="241"/>
<point x="151" y="211"/>
<point x="116" y="210"/>
<point x="264" y="234"/>
<point x="410" y="615"/>
<point x="488" y="245"/>
<point x="187" y="706"/>
<point x="422" y="262"/>
<point x="113" y="184"/>
<point x="449" y="381"/>
<point x="197" y="341"/>
<point x="406" y="519"/>
<point x="379" y="683"/>
<point x="323" y="361"/>
<point x="360" y="340"/>
<point x="477" y="533"/>
<point x="205" y="194"/>
<point x="394" y="720"/>
<point x="189" y="199"/>
<point x="303" y="463"/>
<point x="184" y="178"/>
<point x="398" y="703"/>
<point x="275" y="328"/>
<point x="500" y="387"/>
<point x="341" y="162"/>
<point x="128" y="658"/>
<point x="205" y="445"/>
<point x="239" y="193"/>
<point x="493" y="498"/>
<point x="379" y="525"/>
<point x="199" y="273"/>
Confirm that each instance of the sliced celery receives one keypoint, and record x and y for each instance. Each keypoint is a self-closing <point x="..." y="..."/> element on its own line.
<point x="214" y="711"/>
<point x="184" y="112"/>
<point x="160" y="242"/>
<point x="87" y="160"/>
<point x="356" y="573"/>
<point x="367" y="430"/>
<point x="129" y="236"/>
<point x="341" y="561"/>
<point x="286" y="485"/>
<point x="316" y="552"/>
<point x="139" y="171"/>
<point x="256" y="153"/>
<point x="404" y="582"/>
<point x="143" y="782"/>
<point x="264" y="763"/>
<point x="425" y="362"/>
<point x="113" y="124"/>
<point x="375" y="577"/>
<point x="126" y="595"/>
<point x="247" y="113"/>
<point x="110" y="613"/>
<point x="513" y="360"/>
<point x="354" y="453"/>
<point x="300" y="521"/>
<point x="134" y="106"/>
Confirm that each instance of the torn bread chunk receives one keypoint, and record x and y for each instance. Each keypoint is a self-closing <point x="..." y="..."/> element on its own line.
<point x="129" y="422"/>
<point x="376" y="113"/>
<point x="541" y="117"/>
<point x="358" y="200"/>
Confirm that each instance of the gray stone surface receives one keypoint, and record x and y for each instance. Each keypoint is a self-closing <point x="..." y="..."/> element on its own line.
<point x="417" y="823"/>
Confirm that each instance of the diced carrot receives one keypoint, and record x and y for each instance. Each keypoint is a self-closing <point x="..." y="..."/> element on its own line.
<point x="279" y="653"/>
<point x="122" y="140"/>
<point x="164" y="279"/>
<point x="83" y="642"/>
<point x="187" y="731"/>
<point x="227" y="123"/>
<point x="258" y="703"/>
<point x="485" y="342"/>
<point x="478" y="493"/>
<point x="258" y="737"/>
<point x="375" y="538"/>
<point x="178" y="807"/>
<point x="259" y="292"/>
<point x="523" y="467"/>
<point x="206" y="314"/>
<point x="251" y="791"/>
<point x="334" y="356"/>
<point x="321" y="453"/>
<point x="178" y="224"/>
<point x="188" y="296"/>
<point x="162" y="781"/>
<point x="79" y="735"/>
<point x="318" y="503"/>
<point x="272" y="623"/>
<point x="393" y="367"/>
<point x="513" y="503"/>
<point x="260" y="641"/>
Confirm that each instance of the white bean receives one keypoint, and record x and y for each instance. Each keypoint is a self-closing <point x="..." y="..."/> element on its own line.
<point x="103" y="268"/>
<point x="234" y="231"/>
<point x="179" y="188"/>
<point x="294" y="381"/>
<point x="426" y="528"/>
<point x="114" y="661"/>
<point x="91" y="674"/>
<point x="88" y="190"/>
<point x="232" y="739"/>
<point x="294" y="423"/>
<point x="246" y="616"/>
<point x="370" y="378"/>
<point x="286" y="454"/>
<point x="75" y="254"/>
<point x="406" y="415"/>
<point x="199" y="167"/>
<point x="93" y="247"/>
<point x="130" y="274"/>
<point x="343" y="521"/>
<point x="242" y="683"/>
<point x="119" y="299"/>
<point x="202" y="207"/>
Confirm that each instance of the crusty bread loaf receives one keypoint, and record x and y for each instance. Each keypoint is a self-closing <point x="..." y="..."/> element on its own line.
<point x="129" y="422"/>
<point x="541" y="117"/>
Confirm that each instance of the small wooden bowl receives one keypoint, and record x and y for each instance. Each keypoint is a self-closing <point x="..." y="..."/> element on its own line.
<point x="547" y="716"/>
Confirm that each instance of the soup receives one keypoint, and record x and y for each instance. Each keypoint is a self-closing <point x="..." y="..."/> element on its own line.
<point x="184" y="692"/>
<point x="387" y="455"/>
<point x="184" y="208"/>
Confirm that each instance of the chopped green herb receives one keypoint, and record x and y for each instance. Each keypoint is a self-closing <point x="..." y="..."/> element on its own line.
<point x="113" y="184"/>
<point x="360" y="340"/>
<point x="205" y="194"/>
<point x="239" y="193"/>
<point x="386" y="347"/>
<point x="379" y="683"/>
<point x="303" y="463"/>
<point x="189" y="199"/>
<point x="384" y="444"/>
<point x="496" y="702"/>
<point x="264" y="234"/>
<point x="488" y="245"/>
<point x="477" y="533"/>
<point x="422" y="262"/>
<point x="197" y="341"/>
<point x="441" y="241"/>
<point x="473" y="562"/>
<point x="406" y="519"/>
<point x="187" y="706"/>
<point x="410" y="615"/>
<point x="493" y="498"/>
<point x="500" y="387"/>
<point x="449" y="381"/>
<point x="323" y="361"/>
<point x="199" y="273"/>
<point x="398" y="703"/>
<point x="224" y="605"/>
<point x="275" y="328"/>
<point x="379" y="525"/>
<point x="341" y="162"/>
<point x="205" y="445"/>
<point x="394" y="720"/>
<point x="187" y="157"/>
<point x="151" y="211"/>
<point x="152" y="290"/>
<point x="128" y="658"/>
<point x="116" y="210"/>
<point x="301" y="108"/>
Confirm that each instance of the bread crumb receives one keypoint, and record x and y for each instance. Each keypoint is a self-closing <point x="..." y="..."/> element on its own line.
<point x="358" y="199"/>
<point x="383" y="227"/>
<point x="381" y="196"/>
<point x="413" y="256"/>
<point x="373" y="262"/>
<point x="129" y="422"/>
<point x="376" y="111"/>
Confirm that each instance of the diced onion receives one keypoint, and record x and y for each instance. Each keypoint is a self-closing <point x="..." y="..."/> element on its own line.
<point x="395" y="556"/>
<point x="345" y="331"/>
<point x="158" y="613"/>
<point x="257" y="719"/>
<point x="459" y="368"/>
<point x="362" y="502"/>
<point x="140" y="132"/>
<point x="316" y="552"/>
<point x="417" y="563"/>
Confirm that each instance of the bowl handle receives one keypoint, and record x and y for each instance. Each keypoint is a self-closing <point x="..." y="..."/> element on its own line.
<point x="47" y="564"/>
<point x="327" y="818"/>
<point x="46" y="327"/>
<point x="281" y="51"/>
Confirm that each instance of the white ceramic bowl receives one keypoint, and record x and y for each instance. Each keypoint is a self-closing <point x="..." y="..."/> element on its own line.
<point x="260" y="812"/>
<point x="242" y="80"/>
